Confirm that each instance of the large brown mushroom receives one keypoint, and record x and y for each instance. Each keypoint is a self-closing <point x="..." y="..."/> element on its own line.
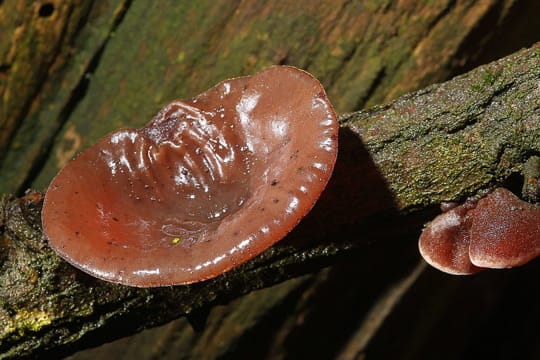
<point x="206" y="185"/>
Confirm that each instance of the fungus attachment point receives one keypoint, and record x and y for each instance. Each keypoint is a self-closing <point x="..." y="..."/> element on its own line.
<point x="208" y="184"/>
<point x="497" y="231"/>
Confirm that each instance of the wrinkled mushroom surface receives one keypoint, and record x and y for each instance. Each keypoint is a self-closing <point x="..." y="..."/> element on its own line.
<point x="206" y="185"/>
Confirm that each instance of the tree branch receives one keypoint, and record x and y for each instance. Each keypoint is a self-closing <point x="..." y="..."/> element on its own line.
<point x="439" y="144"/>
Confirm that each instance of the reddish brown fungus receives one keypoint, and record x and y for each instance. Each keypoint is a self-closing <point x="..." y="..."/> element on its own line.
<point x="444" y="243"/>
<point x="206" y="185"/>
<point x="505" y="232"/>
<point x="498" y="231"/>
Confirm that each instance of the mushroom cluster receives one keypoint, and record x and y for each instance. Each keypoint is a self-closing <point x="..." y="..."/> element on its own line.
<point x="208" y="184"/>
<point x="497" y="231"/>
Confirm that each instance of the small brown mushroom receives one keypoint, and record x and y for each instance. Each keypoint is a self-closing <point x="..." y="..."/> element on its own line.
<point x="444" y="243"/>
<point x="208" y="184"/>
<point x="497" y="231"/>
<point x="505" y="231"/>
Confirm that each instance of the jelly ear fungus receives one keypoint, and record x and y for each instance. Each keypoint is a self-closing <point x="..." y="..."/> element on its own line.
<point x="497" y="231"/>
<point x="208" y="184"/>
<point x="445" y="242"/>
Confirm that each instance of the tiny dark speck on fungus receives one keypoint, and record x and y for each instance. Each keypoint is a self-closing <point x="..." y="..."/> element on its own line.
<point x="209" y="161"/>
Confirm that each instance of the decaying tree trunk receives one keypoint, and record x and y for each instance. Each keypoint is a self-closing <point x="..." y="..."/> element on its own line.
<point x="468" y="134"/>
<point x="72" y="70"/>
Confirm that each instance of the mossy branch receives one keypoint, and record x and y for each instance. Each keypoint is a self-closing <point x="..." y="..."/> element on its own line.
<point x="442" y="143"/>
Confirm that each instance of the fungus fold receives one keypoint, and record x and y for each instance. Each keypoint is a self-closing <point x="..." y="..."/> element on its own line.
<point x="208" y="184"/>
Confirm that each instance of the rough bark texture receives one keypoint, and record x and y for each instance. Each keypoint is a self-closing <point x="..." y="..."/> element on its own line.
<point x="71" y="71"/>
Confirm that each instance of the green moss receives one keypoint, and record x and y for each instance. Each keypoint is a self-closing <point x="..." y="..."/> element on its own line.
<point x="489" y="78"/>
<point x="476" y="87"/>
<point x="24" y="320"/>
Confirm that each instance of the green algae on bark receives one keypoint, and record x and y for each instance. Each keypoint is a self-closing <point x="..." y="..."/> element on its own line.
<point x="448" y="141"/>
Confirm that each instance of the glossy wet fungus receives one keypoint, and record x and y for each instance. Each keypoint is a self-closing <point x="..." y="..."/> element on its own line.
<point x="444" y="243"/>
<point x="497" y="231"/>
<point x="208" y="184"/>
<point x="505" y="232"/>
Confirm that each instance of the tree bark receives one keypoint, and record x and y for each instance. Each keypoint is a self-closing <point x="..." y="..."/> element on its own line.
<point x="468" y="134"/>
